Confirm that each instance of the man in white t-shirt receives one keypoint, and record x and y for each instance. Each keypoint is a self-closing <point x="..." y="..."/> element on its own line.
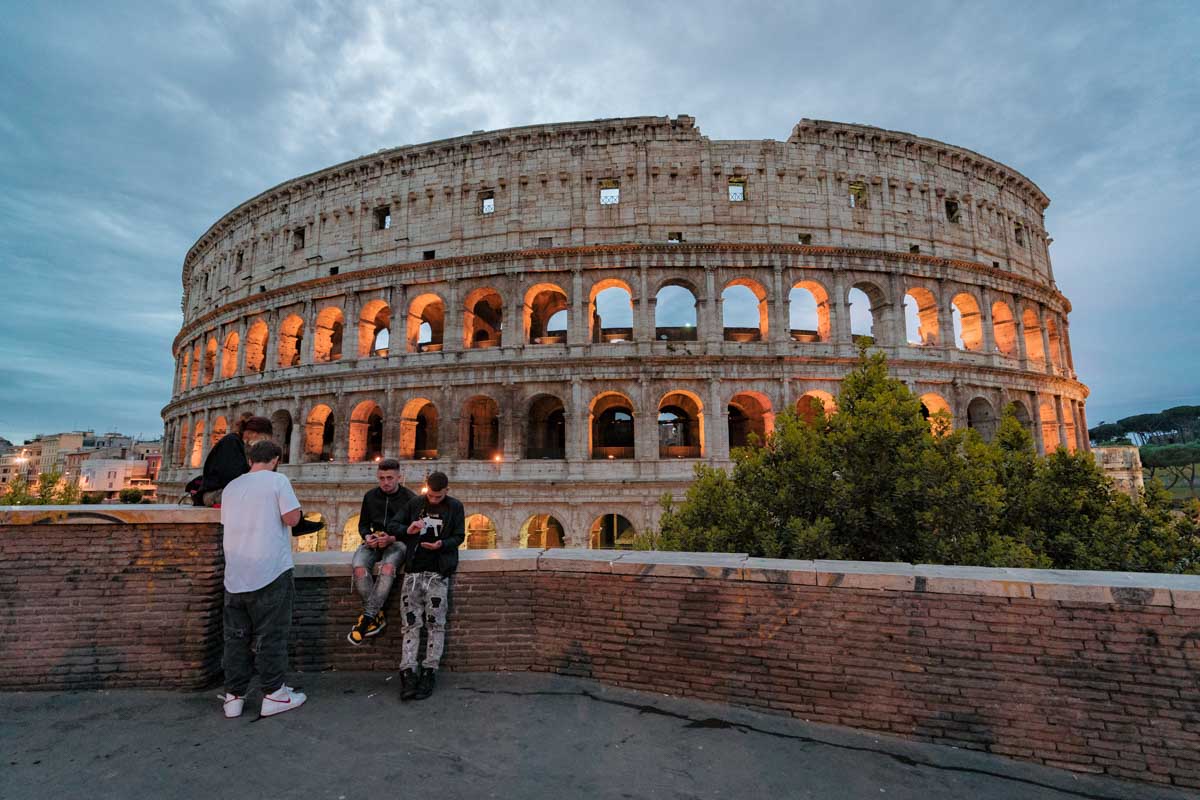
<point x="257" y="509"/>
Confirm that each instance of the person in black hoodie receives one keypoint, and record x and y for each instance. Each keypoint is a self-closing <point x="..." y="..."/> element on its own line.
<point x="432" y="529"/>
<point x="227" y="459"/>
<point x="379" y="507"/>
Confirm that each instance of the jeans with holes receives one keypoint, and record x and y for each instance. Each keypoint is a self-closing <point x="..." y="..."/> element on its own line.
<point x="256" y="635"/>
<point x="374" y="592"/>
<point x="425" y="598"/>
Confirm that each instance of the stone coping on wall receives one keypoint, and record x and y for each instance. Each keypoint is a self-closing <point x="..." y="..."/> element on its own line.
<point x="1107" y="588"/>
<point x="124" y="514"/>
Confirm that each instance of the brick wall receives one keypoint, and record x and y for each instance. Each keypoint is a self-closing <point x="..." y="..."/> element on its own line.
<point x="99" y="597"/>
<point x="1095" y="672"/>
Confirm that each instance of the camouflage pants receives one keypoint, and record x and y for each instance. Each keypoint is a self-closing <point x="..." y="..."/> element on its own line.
<point x="424" y="599"/>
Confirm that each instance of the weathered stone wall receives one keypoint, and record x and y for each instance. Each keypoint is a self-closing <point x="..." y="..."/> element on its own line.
<point x="100" y="596"/>
<point x="1089" y="671"/>
<point x="939" y="223"/>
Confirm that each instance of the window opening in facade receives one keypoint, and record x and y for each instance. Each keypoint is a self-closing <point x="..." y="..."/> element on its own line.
<point x="857" y="194"/>
<point x="611" y="532"/>
<point x="487" y="202"/>
<point x="383" y="218"/>
<point x="610" y="192"/>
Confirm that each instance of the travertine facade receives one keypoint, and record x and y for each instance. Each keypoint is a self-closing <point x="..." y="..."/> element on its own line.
<point x="507" y="372"/>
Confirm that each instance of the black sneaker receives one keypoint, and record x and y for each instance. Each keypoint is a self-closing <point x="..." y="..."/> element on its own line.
<point x="359" y="633"/>
<point x="408" y="685"/>
<point x="425" y="684"/>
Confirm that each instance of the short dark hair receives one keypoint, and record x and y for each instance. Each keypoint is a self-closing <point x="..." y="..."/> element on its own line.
<point x="257" y="425"/>
<point x="437" y="481"/>
<point x="389" y="464"/>
<point x="264" y="451"/>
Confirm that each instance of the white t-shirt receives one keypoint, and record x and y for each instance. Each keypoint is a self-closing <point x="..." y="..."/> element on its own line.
<point x="258" y="546"/>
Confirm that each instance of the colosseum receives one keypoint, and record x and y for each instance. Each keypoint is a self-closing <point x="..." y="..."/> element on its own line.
<point x="568" y="318"/>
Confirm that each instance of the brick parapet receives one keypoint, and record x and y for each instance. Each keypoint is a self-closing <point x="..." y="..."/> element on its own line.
<point x="1091" y="671"/>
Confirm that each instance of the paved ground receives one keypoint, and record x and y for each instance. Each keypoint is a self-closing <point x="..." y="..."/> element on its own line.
<point x="486" y="735"/>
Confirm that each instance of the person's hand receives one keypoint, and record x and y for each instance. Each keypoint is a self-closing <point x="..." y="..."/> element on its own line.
<point x="432" y="545"/>
<point x="416" y="527"/>
<point x="384" y="541"/>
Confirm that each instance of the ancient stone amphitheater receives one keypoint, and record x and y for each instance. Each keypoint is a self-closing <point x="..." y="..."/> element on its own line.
<point x="568" y="318"/>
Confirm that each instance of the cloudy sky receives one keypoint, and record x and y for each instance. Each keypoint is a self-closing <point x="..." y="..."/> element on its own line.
<point x="126" y="129"/>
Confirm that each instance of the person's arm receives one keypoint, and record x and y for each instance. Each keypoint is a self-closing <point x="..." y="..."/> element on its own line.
<point x="226" y="461"/>
<point x="455" y="528"/>
<point x="289" y="505"/>
<point x="398" y="525"/>
<point x="364" y="520"/>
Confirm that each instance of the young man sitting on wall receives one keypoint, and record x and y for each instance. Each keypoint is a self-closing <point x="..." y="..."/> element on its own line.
<point x="432" y="528"/>
<point x="227" y="459"/>
<point x="379" y="507"/>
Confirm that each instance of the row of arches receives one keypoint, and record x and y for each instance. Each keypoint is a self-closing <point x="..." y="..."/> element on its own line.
<point x="606" y="532"/>
<point x="544" y="428"/>
<point x="545" y="319"/>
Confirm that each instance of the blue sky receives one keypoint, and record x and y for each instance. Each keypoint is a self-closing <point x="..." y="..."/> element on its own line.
<point x="126" y="129"/>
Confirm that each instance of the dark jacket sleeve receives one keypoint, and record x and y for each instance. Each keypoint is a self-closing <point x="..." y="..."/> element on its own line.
<point x="226" y="461"/>
<point x="398" y="525"/>
<point x="455" y="528"/>
<point x="364" y="519"/>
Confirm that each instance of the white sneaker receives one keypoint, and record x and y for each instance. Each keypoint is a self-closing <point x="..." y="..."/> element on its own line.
<point x="285" y="698"/>
<point x="232" y="704"/>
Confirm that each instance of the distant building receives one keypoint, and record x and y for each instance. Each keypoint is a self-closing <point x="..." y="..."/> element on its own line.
<point x="111" y="475"/>
<point x="1123" y="464"/>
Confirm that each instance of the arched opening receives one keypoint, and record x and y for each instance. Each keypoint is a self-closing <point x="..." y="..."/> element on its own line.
<point x="481" y="417"/>
<point x="982" y="417"/>
<point x="1033" y="338"/>
<point x="350" y="536"/>
<point x="481" y="533"/>
<point x="419" y="430"/>
<point x="374" y="329"/>
<point x="196" y="357"/>
<point x="331" y="326"/>
<point x="281" y="432"/>
<point x="542" y="530"/>
<point x="291" y="340"/>
<point x="198" y="444"/>
<point x="815" y="405"/>
<point x="426" y="324"/>
<point x="750" y="420"/>
<point x="546" y="314"/>
<point x="937" y="412"/>
<point x="184" y="443"/>
<point x="366" y="432"/>
<point x="808" y="312"/>
<point x="968" y="322"/>
<point x="1021" y="412"/>
<point x="611" y="317"/>
<point x="1004" y="328"/>
<point x="680" y="426"/>
<point x="256" y="346"/>
<point x="612" y="426"/>
<point x="744" y="311"/>
<point x="546" y="432"/>
<point x="483" y="315"/>
<point x="1049" y="415"/>
<point x="229" y="356"/>
<point x="220" y="427"/>
<point x="675" y="313"/>
<point x="1055" y="343"/>
<point x="319" y="433"/>
<point x="185" y="363"/>
<point x="866" y="302"/>
<point x="210" y="360"/>
<point x="611" y="532"/>
<point x="921" y="317"/>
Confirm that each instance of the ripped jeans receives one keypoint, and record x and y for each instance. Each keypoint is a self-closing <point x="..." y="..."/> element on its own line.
<point x="424" y="596"/>
<point x="256" y="635"/>
<point x="374" y="592"/>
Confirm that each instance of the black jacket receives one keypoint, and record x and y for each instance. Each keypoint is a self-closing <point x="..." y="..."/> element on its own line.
<point x="449" y="526"/>
<point x="226" y="461"/>
<point x="378" y="509"/>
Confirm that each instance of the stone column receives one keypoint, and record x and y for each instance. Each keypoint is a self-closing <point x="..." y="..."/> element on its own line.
<point x="1038" y="436"/>
<point x="296" y="443"/>
<point x="341" y="431"/>
<point x="711" y="320"/>
<point x="945" y="301"/>
<point x="512" y="335"/>
<point x="576" y="414"/>
<point x="989" y="330"/>
<point x="1045" y="340"/>
<point x="645" y="422"/>
<point x="240" y="369"/>
<point x="1019" y="321"/>
<point x="898" y="329"/>
<point x="777" y="309"/>
<point x="512" y="424"/>
<point x="839" y="312"/>
<point x="716" y="448"/>
<point x="452" y="330"/>
<point x="1062" y="422"/>
<point x="577" y="325"/>
<point x="398" y="326"/>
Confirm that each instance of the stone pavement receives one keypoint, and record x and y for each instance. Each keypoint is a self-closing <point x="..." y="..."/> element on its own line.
<point x="481" y="736"/>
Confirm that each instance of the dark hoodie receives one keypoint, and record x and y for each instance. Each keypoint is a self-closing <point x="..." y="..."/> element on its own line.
<point x="378" y="509"/>
<point x="226" y="461"/>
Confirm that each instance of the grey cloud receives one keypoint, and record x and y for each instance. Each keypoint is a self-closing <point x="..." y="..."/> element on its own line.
<point x="127" y="129"/>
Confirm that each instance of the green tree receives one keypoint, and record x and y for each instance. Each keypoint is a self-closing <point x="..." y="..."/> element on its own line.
<point x="1178" y="460"/>
<point x="18" y="494"/>
<point x="130" y="495"/>
<point x="876" y="481"/>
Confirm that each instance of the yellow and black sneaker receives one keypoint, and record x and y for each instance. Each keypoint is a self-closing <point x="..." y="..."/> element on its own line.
<point x="358" y="634"/>
<point x="375" y="625"/>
